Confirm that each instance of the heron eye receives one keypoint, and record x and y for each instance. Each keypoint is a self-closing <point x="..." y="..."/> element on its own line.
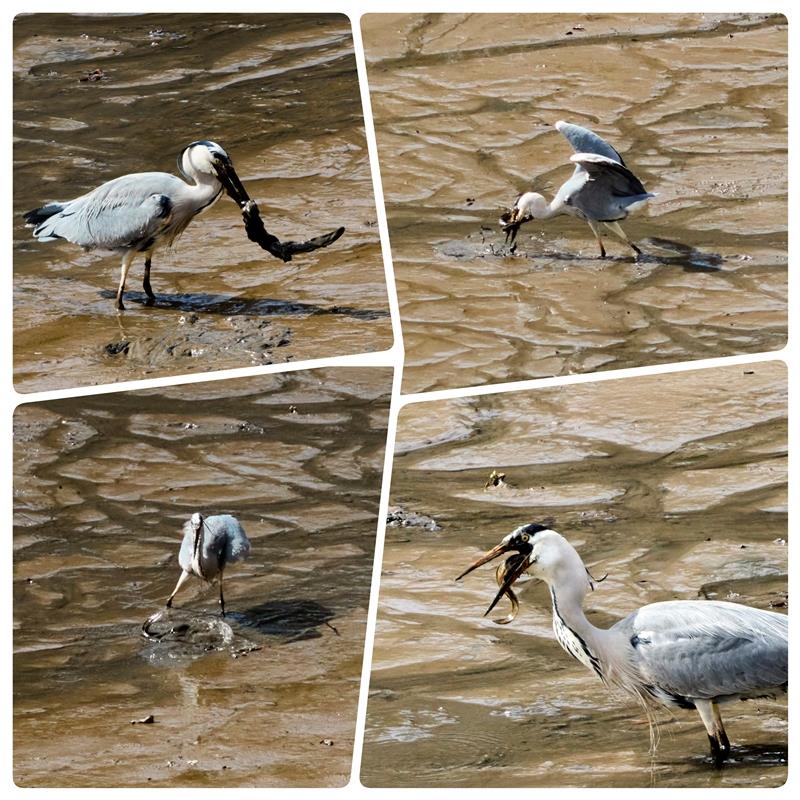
<point x="525" y="537"/>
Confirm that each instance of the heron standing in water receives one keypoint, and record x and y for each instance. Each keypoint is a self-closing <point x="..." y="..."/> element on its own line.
<point x="209" y="545"/>
<point x="141" y="212"/>
<point x="601" y="191"/>
<point x="679" y="653"/>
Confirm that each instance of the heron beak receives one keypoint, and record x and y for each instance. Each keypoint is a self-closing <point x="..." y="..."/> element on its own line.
<point x="230" y="181"/>
<point x="495" y="552"/>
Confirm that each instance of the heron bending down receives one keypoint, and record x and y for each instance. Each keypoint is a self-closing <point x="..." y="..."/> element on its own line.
<point x="679" y="653"/>
<point x="602" y="190"/>
<point x="209" y="545"/>
<point x="139" y="213"/>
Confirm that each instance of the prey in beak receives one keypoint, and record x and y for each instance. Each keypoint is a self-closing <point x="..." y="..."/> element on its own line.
<point x="511" y="221"/>
<point x="253" y="223"/>
<point x="519" y="545"/>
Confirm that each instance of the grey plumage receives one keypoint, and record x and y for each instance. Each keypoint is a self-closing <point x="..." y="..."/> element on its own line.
<point x="209" y="545"/>
<point x="602" y="190"/>
<point x="709" y="650"/>
<point x="680" y="654"/>
<point x="138" y="213"/>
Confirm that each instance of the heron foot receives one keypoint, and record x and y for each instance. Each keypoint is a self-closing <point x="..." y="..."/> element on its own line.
<point x="720" y="749"/>
<point x="120" y="305"/>
<point x="151" y="301"/>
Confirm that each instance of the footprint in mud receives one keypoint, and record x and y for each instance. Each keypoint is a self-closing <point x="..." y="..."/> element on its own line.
<point x="196" y="336"/>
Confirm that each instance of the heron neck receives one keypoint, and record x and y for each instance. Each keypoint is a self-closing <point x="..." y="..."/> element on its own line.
<point x="539" y="208"/>
<point x="205" y="188"/>
<point x="574" y="632"/>
<point x="552" y="209"/>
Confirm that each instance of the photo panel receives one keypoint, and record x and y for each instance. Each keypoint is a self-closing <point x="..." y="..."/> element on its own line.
<point x="631" y="492"/>
<point x="259" y="106"/>
<point x="273" y="482"/>
<point x="683" y="124"/>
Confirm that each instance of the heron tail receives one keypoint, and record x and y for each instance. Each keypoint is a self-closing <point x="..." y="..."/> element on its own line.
<point x="42" y="218"/>
<point x="39" y="215"/>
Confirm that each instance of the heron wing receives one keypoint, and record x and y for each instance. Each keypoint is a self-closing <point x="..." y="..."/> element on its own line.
<point x="608" y="190"/>
<point x="583" y="140"/>
<point x="708" y="650"/>
<point x="225" y="536"/>
<point x="120" y="213"/>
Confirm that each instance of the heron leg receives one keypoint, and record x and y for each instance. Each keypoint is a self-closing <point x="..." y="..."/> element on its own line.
<point x="183" y="578"/>
<point x="221" y="596"/>
<point x="127" y="260"/>
<point x="596" y="232"/>
<point x="148" y="289"/>
<point x="717" y="738"/>
<point x="616" y="228"/>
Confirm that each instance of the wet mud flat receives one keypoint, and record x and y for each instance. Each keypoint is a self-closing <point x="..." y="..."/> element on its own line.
<point x="96" y="97"/>
<point x="464" y="109"/>
<point x="673" y="485"/>
<point x="103" y="484"/>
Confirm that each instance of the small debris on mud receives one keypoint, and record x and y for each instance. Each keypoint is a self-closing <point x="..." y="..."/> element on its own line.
<point x="94" y="75"/>
<point x="399" y="518"/>
<point x="326" y="742"/>
<point x="148" y="720"/>
<point x="496" y="479"/>
<point x="115" y="348"/>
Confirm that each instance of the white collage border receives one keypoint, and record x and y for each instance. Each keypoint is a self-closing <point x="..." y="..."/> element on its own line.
<point x="354" y="9"/>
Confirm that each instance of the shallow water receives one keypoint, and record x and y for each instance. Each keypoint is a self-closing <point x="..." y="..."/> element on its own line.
<point x="280" y="93"/>
<point x="266" y="697"/>
<point x="464" y="108"/>
<point x="674" y="485"/>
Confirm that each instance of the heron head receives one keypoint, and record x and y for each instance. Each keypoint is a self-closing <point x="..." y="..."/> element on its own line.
<point x="520" y="541"/>
<point x="208" y="158"/>
<point x="527" y="206"/>
<point x="531" y="545"/>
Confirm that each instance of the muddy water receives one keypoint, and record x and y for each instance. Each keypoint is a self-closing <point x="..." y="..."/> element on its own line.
<point x="103" y="485"/>
<point x="464" y="108"/>
<point x="673" y="485"/>
<point x="280" y="93"/>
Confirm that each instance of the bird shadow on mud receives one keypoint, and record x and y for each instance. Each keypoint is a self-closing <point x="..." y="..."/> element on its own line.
<point x="237" y="306"/>
<point x="687" y="258"/>
<point x="289" y="620"/>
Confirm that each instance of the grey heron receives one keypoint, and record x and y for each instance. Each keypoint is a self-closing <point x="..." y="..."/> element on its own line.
<point x="139" y="213"/>
<point x="602" y="190"/>
<point x="209" y="545"/>
<point x="678" y="653"/>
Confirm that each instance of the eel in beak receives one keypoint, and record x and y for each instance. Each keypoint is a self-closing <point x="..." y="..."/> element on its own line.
<point x="254" y="225"/>
<point x="506" y="573"/>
